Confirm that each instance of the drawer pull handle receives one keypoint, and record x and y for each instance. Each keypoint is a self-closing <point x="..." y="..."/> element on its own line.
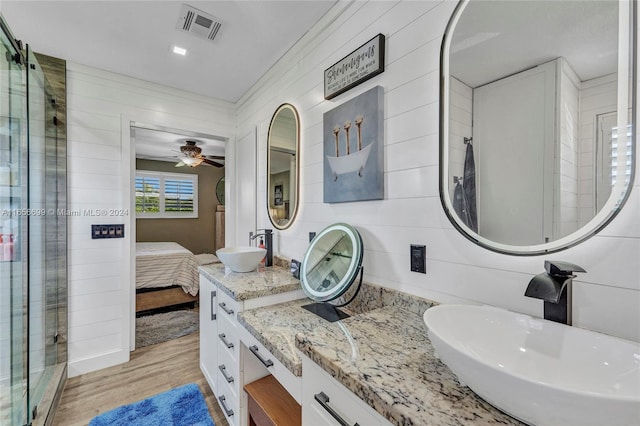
<point x="223" y="337"/>
<point x="224" y="308"/>
<point x="267" y="362"/>
<point x="223" y="370"/>
<point x="223" y="402"/>
<point x="213" y="305"/>
<point x="323" y="400"/>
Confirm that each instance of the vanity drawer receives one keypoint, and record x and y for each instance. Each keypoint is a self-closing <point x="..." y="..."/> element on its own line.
<point x="229" y="390"/>
<point x="229" y="406"/>
<point x="228" y="369"/>
<point x="322" y="395"/>
<point x="258" y="362"/>
<point x="227" y="307"/>
<point x="228" y="338"/>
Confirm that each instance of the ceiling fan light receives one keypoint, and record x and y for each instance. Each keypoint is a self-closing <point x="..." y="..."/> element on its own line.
<point x="191" y="161"/>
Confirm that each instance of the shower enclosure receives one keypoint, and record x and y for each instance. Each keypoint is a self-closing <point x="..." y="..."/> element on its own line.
<point x="33" y="247"/>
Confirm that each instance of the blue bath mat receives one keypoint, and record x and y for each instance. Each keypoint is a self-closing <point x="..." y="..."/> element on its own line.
<point x="183" y="406"/>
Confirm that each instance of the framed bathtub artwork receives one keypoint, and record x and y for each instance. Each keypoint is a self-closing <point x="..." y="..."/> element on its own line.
<point x="353" y="138"/>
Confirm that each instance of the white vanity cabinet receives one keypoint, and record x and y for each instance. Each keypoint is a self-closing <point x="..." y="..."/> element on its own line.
<point x="208" y="331"/>
<point x="229" y="380"/>
<point x="221" y="357"/>
<point x="327" y="402"/>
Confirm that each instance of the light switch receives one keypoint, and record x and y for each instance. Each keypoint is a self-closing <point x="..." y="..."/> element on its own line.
<point x="107" y="231"/>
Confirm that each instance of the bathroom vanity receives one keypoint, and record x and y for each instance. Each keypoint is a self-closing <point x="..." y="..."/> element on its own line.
<point x="223" y="294"/>
<point x="375" y="368"/>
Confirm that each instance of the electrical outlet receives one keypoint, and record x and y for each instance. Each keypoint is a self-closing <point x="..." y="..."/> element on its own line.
<point x="419" y="258"/>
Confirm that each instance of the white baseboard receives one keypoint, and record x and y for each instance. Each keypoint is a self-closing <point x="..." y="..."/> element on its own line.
<point x="88" y="365"/>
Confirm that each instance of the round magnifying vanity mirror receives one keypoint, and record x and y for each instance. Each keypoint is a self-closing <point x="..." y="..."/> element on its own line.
<point x="537" y="103"/>
<point x="330" y="265"/>
<point x="283" y="143"/>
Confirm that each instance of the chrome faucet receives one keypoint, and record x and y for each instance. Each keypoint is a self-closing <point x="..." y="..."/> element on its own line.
<point x="555" y="287"/>
<point x="268" y="243"/>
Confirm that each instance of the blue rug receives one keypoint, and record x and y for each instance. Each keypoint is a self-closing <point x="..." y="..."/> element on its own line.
<point x="183" y="406"/>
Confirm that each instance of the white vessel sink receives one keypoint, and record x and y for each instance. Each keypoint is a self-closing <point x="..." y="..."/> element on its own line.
<point x="241" y="259"/>
<point x="538" y="371"/>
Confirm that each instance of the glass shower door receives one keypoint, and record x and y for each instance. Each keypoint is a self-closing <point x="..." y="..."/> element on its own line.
<point x="13" y="224"/>
<point x="42" y="294"/>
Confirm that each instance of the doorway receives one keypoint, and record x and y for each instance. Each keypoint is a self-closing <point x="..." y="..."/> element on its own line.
<point x="173" y="201"/>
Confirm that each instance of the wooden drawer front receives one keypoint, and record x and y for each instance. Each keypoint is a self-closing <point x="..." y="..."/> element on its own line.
<point x="257" y="358"/>
<point x="227" y="307"/>
<point x="228" y="337"/>
<point x="324" y="401"/>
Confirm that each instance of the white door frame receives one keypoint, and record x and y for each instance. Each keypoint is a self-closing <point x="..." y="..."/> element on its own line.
<point x="129" y="202"/>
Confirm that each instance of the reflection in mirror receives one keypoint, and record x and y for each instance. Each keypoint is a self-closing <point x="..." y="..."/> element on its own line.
<point x="220" y="191"/>
<point x="536" y="108"/>
<point x="330" y="265"/>
<point x="282" y="166"/>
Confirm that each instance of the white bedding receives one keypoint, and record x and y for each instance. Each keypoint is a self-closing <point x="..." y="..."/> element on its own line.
<point x="164" y="265"/>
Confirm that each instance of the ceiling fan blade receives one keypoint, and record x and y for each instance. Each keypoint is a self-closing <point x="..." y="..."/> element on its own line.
<point x="212" y="163"/>
<point x="215" y="157"/>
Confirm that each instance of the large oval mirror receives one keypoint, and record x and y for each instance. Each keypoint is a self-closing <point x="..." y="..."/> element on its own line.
<point x="282" y="166"/>
<point x="537" y="150"/>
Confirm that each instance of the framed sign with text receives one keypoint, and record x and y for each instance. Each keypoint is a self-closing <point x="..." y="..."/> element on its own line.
<point x="360" y="65"/>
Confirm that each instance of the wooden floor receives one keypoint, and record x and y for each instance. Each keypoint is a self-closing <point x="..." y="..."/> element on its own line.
<point x="151" y="370"/>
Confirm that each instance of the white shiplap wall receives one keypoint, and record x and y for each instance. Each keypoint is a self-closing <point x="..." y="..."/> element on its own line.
<point x="100" y="103"/>
<point x="606" y="299"/>
<point x="460" y="127"/>
<point x="597" y="96"/>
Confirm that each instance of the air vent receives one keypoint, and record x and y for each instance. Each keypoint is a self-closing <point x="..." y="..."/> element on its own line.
<point x="198" y="23"/>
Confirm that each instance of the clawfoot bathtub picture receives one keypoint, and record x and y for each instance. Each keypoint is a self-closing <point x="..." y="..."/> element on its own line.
<point x="354" y="148"/>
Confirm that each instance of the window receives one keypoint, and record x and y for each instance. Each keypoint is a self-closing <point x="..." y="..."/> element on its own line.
<point x="166" y="195"/>
<point x="626" y="155"/>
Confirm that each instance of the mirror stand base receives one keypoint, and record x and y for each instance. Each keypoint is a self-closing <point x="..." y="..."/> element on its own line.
<point x="326" y="311"/>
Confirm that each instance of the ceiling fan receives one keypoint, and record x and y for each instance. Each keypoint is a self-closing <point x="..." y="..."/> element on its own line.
<point x="192" y="156"/>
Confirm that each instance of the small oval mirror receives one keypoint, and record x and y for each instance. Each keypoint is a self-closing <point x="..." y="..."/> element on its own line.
<point x="331" y="263"/>
<point x="282" y="166"/>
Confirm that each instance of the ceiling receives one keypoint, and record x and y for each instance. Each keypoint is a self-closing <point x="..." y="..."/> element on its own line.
<point x="164" y="145"/>
<point x="134" y="38"/>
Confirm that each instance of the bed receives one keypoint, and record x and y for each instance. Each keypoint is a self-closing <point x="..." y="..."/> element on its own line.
<point x="166" y="275"/>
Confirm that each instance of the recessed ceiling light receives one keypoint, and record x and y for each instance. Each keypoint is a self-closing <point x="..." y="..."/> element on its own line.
<point x="179" y="50"/>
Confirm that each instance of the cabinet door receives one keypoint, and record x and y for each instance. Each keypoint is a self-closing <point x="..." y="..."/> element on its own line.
<point x="208" y="331"/>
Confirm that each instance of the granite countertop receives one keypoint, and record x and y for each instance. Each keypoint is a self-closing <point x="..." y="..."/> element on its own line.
<point x="383" y="356"/>
<point x="388" y="361"/>
<point x="264" y="281"/>
<point x="275" y="327"/>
